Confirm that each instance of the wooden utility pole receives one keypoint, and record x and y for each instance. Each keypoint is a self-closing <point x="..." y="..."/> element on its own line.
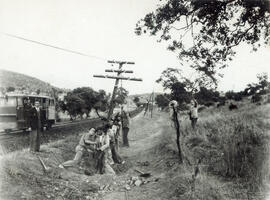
<point x="150" y="104"/>
<point x="152" y="107"/>
<point x="118" y="77"/>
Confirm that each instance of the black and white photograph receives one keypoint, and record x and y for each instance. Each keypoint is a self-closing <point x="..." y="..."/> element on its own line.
<point x="134" y="100"/>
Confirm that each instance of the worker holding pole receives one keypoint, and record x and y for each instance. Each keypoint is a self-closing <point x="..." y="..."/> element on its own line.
<point x="125" y="126"/>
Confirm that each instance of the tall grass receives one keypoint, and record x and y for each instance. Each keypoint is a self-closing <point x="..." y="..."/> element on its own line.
<point x="231" y="144"/>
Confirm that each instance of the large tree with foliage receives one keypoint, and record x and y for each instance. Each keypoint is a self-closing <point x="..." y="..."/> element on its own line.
<point x="88" y="95"/>
<point x="162" y="100"/>
<point x="82" y="100"/>
<point x="73" y="104"/>
<point x="205" y="33"/>
<point x="101" y="101"/>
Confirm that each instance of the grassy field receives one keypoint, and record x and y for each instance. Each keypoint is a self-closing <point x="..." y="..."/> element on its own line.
<point x="233" y="145"/>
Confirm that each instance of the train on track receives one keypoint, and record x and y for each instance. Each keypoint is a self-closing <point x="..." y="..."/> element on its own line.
<point x="13" y="111"/>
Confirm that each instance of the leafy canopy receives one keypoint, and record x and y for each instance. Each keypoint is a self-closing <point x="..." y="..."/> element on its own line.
<point x="205" y="32"/>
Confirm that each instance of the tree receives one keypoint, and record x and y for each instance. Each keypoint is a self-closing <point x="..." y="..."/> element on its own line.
<point x="88" y="95"/>
<point x="180" y="94"/>
<point x="204" y="33"/>
<point x="205" y="96"/>
<point x="136" y="100"/>
<point x="162" y="100"/>
<point x="73" y="105"/>
<point x="263" y="81"/>
<point x="10" y="89"/>
<point x="102" y="101"/>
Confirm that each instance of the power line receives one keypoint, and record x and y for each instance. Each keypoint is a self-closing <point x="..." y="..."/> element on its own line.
<point x="55" y="47"/>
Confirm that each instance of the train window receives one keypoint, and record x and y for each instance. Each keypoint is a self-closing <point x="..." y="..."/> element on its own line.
<point x="2" y="101"/>
<point x="10" y="101"/>
<point x="20" y="101"/>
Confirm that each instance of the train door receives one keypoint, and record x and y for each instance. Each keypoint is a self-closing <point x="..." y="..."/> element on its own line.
<point x="8" y="113"/>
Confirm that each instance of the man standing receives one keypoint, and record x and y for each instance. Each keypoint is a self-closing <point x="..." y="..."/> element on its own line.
<point x="125" y="126"/>
<point x="112" y="132"/>
<point x="27" y="107"/>
<point x="37" y="117"/>
<point x="105" y="148"/>
<point x="193" y="113"/>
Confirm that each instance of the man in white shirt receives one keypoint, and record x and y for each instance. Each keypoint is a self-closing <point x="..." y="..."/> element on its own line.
<point x="87" y="142"/>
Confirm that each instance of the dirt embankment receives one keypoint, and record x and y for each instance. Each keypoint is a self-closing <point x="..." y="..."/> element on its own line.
<point x="152" y="149"/>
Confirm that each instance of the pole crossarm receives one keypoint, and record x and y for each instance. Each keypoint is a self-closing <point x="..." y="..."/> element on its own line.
<point x="121" y="62"/>
<point x="118" y="71"/>
<point x="118" y="77"/>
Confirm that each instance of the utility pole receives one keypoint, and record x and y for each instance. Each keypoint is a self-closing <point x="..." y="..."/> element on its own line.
<point x="152" y="107"/>
<point x="118" y="77"/>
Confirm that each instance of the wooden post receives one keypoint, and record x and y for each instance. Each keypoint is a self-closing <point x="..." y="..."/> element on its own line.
<point x="177" y="127"/>
<point x="111" y="107"/>
<point x="117" y="78"/>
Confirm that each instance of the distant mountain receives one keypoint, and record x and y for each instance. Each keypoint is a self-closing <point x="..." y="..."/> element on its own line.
<point x="23" y="83"/>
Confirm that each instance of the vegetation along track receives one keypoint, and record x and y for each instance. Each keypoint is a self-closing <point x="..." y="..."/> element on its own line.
<point x="17" y="140"/>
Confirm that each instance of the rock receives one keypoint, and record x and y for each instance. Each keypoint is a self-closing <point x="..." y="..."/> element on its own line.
<point x="127" y="187"/>
<point x="134" y="178"/>
<point x="138" y="183"/>
<point x="144" y="182"/>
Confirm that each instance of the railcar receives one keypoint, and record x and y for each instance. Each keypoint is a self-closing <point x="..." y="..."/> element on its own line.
<point x="13" y="111"/>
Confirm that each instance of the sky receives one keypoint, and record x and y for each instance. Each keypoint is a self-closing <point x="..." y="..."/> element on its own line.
<point x="104" y="29"/>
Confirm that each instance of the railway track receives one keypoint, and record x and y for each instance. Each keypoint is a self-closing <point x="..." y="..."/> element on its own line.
<point x="12" y="137"/>
<point x="15" y="133"/>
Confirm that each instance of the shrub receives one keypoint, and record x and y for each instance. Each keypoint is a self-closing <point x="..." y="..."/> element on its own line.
<point x="256" y="98"/>
<point x="232" y="144"/>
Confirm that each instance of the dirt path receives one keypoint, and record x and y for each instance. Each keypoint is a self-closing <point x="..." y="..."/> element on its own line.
<point x="145" y="134"/>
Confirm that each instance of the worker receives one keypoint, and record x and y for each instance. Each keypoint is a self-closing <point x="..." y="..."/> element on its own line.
<point x="193" y="113"/>
<point x="125" y="118"/>
<point x="105" y="148"/>
<point x="113" y="133"/>
<point x="87" y="142"/>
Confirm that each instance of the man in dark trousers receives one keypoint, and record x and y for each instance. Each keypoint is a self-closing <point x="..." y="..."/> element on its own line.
<point x="37" y="118"/>
<point x="125" y="126"/>
<point x="27" y="107"/>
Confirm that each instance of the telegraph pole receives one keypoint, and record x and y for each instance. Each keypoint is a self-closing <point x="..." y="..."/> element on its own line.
<point x="118" y="77"/>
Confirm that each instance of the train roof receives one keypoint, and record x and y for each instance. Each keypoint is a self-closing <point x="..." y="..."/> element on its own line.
<point x="27" y="95"/>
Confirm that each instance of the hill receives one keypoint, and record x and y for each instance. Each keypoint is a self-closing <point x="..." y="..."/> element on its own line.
<point x="20" y="82"/>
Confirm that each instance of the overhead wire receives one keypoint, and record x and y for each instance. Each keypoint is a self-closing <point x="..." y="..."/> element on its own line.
<point x="55" y="47"/>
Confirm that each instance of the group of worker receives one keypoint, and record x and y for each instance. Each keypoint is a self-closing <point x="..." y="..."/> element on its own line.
<point x="103" y="144"/>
